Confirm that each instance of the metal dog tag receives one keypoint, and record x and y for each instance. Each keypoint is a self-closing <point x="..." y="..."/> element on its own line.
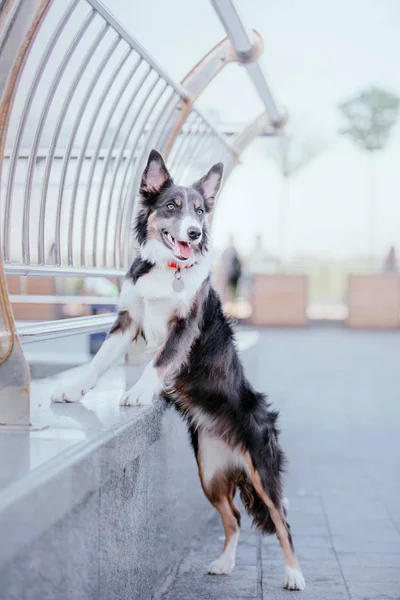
<point x="177" y="283"/>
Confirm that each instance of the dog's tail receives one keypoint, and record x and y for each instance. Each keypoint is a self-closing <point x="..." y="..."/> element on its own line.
<point x="269" y="461"/>
<point x="255" y="507"/>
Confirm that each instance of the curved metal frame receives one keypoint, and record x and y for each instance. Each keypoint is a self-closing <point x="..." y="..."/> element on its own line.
<point x="177" y="126"/>
<point x="201" y="76"/>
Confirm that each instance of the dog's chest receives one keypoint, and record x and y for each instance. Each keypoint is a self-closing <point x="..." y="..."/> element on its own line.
<point x="161" y="301"/>
<point x="159" y="285"/>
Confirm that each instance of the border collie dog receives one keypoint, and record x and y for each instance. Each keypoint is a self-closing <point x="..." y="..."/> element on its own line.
<point x="167" y="298"/>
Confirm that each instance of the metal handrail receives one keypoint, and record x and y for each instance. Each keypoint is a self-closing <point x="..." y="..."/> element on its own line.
<point x="61" y="271"/>
<point x="31" y="332"/>
<point x="62" y="299"/>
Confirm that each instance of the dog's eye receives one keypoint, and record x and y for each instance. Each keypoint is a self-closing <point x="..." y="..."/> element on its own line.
<point x="200" y="211"/>
<point x="171" y="206"/>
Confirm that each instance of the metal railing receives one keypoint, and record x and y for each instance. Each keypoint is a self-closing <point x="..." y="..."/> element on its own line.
<point x="93" y="117"/>
<point x="82" y="105"/>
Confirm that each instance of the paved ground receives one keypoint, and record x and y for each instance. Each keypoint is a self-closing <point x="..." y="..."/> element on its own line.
<point x="339" y="396"/>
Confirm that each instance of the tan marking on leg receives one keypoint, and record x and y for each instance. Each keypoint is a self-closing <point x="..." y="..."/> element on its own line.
<point x="281" y="531"/>
<point x="200" y="468"/>
<point x="228" y="518"/>
<point x="218" y="491"/>
<point x="233" y="506"/>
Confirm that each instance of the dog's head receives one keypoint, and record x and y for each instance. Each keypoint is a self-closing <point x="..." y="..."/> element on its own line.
<point x="172" y="222"/>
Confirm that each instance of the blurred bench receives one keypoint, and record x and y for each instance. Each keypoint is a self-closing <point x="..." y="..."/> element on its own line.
<point x="374" y="301"/>
<point x="279" y="300"/>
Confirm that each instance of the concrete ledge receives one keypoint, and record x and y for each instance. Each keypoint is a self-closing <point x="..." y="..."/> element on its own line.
<point x="32" y="504"/>
<point x="88" y="522"/>
<point x="100" y="504"/>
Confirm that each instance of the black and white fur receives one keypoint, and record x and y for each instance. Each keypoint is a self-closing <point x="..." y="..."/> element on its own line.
<point x="196" y="365"/>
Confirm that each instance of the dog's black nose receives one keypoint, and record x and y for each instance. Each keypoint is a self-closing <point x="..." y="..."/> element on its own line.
<point x="194" y="233"/>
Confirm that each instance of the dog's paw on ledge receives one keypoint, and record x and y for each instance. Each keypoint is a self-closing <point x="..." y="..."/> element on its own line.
<point x="72" y="394"/>
<point x="137" y="396"/>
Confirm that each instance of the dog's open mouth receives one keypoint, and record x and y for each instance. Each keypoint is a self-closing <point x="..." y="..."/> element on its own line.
<point x="181" y="250"/>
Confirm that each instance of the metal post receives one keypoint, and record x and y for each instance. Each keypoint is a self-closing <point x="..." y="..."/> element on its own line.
<point x="14" y="370"/>
<point x="19" y="23"/>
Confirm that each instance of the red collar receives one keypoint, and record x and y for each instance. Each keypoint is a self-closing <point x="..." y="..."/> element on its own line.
<point x="175" y="265"/>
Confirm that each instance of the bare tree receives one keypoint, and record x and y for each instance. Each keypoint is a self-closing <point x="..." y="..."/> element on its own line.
<point x="370" y="116"/>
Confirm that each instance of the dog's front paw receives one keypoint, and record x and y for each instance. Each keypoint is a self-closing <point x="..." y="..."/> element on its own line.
<point x="138" y="395"/>
<point x="221" y="566"/>
<point x="72" y="394"/>
<point x="294" y="579"/>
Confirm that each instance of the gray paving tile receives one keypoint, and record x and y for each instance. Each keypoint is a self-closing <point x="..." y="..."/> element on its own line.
<point x="354" y="544"/>
<point x="313" y="591"/>
<point x="303" y="553"/>
<point x="367" y="560"/>
<point x="372" y="574"/>
<point x="242" y="583"/>
<point x="369" y="534"/>
<point x="374" y="591"/>
<point x="302" y="527"/>
<point x="358" y="523"/>
<point x="194" y="593"/>
<point x="312" y="541"/>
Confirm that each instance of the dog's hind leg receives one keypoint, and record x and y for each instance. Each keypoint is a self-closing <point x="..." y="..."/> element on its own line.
<point x="230" y="517"/>
<point x="216" y="462"/>
<point x="294" y="579"/>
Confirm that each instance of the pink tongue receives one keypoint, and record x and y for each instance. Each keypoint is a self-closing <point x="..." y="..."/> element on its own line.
<point x="182" y="249"/>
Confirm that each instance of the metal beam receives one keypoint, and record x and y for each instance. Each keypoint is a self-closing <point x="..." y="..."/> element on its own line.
<point x="244" y="42"/>
<point x="31" y="332"/>
<point x="259" y="127"/>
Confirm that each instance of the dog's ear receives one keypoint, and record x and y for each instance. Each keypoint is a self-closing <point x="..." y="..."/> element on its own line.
<point x="155" y="175"/>
<point x="209" y="185"/>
